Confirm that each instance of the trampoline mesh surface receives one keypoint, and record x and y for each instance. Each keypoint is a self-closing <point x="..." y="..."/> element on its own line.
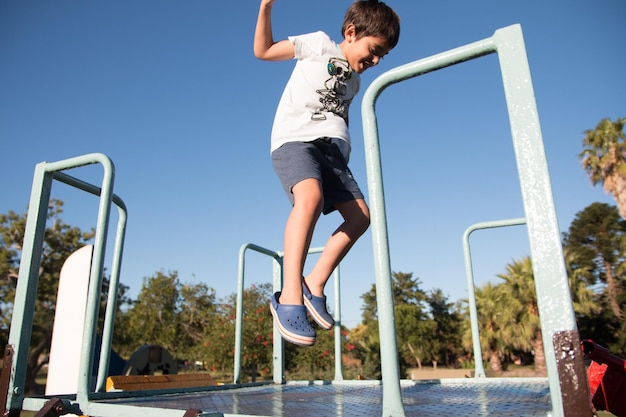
<point x="450" y="397"/>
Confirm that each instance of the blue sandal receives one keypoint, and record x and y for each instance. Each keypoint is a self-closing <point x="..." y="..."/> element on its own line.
<point x="317" y="309"/>
<point x="292" y="322"/>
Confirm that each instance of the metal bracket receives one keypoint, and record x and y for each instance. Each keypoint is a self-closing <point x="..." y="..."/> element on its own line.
<point x="54" y="408"/>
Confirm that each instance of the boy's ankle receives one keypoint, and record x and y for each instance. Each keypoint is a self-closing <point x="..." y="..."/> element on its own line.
<point x="290" y="300"/>
<point x="315" y="289"/>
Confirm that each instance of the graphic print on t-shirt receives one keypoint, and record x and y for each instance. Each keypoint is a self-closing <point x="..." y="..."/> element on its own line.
<point x="334" y="88"/>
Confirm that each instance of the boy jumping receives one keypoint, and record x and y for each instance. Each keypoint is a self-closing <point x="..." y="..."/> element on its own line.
<point x="310" y="148"/>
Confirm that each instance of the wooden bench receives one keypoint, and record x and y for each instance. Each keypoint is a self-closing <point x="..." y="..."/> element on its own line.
<point x="151" y="382"/>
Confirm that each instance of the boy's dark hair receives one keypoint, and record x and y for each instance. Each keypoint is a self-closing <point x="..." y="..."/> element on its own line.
<point x="373" y="18"/>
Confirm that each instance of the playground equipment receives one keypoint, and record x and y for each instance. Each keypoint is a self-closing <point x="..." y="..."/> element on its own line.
<point x="567" y="386"/>
<point x="607" y="378"/>
<point x="479" y="370"/>
<point x="277" y="280"/>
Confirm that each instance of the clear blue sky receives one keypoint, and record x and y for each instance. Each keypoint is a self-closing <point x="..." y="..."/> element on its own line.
<point x="171" y="92"/>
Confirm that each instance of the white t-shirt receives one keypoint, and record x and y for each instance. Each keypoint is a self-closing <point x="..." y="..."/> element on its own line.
<point x="317" y="96"/>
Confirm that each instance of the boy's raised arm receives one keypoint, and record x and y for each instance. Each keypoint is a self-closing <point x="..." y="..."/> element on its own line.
<point x="264" y="46"/>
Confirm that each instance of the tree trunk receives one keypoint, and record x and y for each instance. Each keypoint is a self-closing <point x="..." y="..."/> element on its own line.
<point x="540" y="354"/>
<point x="611" y="287"/>
<point x="417" y="359"/>
<point x="494" y="362"/>
<point x="619" y="193"/>
<point x="31" y="387"/>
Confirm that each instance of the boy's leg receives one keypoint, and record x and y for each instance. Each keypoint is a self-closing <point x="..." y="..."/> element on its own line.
<point x="307" y="207"/>
<point x="356" y="221"/>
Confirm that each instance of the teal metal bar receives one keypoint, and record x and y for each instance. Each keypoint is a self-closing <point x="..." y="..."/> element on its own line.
<point x="556" y="311"/>
<point x="554" y="300"/>
<point x="278" y="350"/>
<point x="337" y="317"/>
<point x="28" y="278"/>
<point x="278" y="361"/>
<point x="479" y="370"/>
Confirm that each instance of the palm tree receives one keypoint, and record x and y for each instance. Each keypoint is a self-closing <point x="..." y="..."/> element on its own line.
<point x="520" y="286"/>
<point x="604" y="159"/>
<point x="496" y="320"/>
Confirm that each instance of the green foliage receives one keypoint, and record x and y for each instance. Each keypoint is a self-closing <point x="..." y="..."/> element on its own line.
<point x="60" y="241"/>
<point x="177" y="316"/>
<point x="257" y="330"/>
<point x="427" y="326"/>
<point x="495" y="322"/>
<point x="594" y="249"/>
<point x="603" y="153"/>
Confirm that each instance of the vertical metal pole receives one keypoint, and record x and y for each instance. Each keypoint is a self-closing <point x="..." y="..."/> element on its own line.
<point x="239" y="314"/>
<point x="95" y="282"/>
<point x="479" y="370"/>
<point x="26" y="290"/>
<point x="111" y="306"/>
<point x="338" y="366"/>
<point x="392" y="398"/>
<point x="553" y="295"/>
<point x="279" y="344"/>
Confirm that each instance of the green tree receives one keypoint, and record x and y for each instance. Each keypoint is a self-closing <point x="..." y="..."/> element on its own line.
<point x="183" y="318"/>
<point x="197" y="318"/>
<point x="580" y="274"/>
<point x="415" y="333"/>
<point x="365" y="342"/>
<point x="496" y="323"/>
<point x="153" y="318"/>
<point x="423" y="323"/>
<point x="257" y="330"/>
<point x="448" y="321"/>
<point x="520" y="286"/>
<point x="595" y="242"/>
<point x="60" y="241"/>
<point x="604" y="158"/>
<point x="313" y="362"/>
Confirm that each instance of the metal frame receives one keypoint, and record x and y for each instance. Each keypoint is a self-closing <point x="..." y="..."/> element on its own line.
<point x="553" y="296"/>
<point x="479" y="370"/>
<point x="278" y="359"/>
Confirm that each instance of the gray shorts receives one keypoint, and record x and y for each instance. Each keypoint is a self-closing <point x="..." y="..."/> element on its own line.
<point x="320" y="159"/>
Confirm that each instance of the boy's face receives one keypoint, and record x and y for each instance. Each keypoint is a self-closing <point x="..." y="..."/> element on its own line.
<point x="364" y="52"/>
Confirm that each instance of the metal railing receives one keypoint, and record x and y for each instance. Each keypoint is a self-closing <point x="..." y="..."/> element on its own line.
<point x="553" y="296"/>
<point x="278" y="359"/>
<point x="479" y="370"/>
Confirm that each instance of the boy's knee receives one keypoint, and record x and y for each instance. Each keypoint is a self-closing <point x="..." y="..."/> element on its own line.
<point x="364" y="222"/>
<point x="360" y="222"/>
